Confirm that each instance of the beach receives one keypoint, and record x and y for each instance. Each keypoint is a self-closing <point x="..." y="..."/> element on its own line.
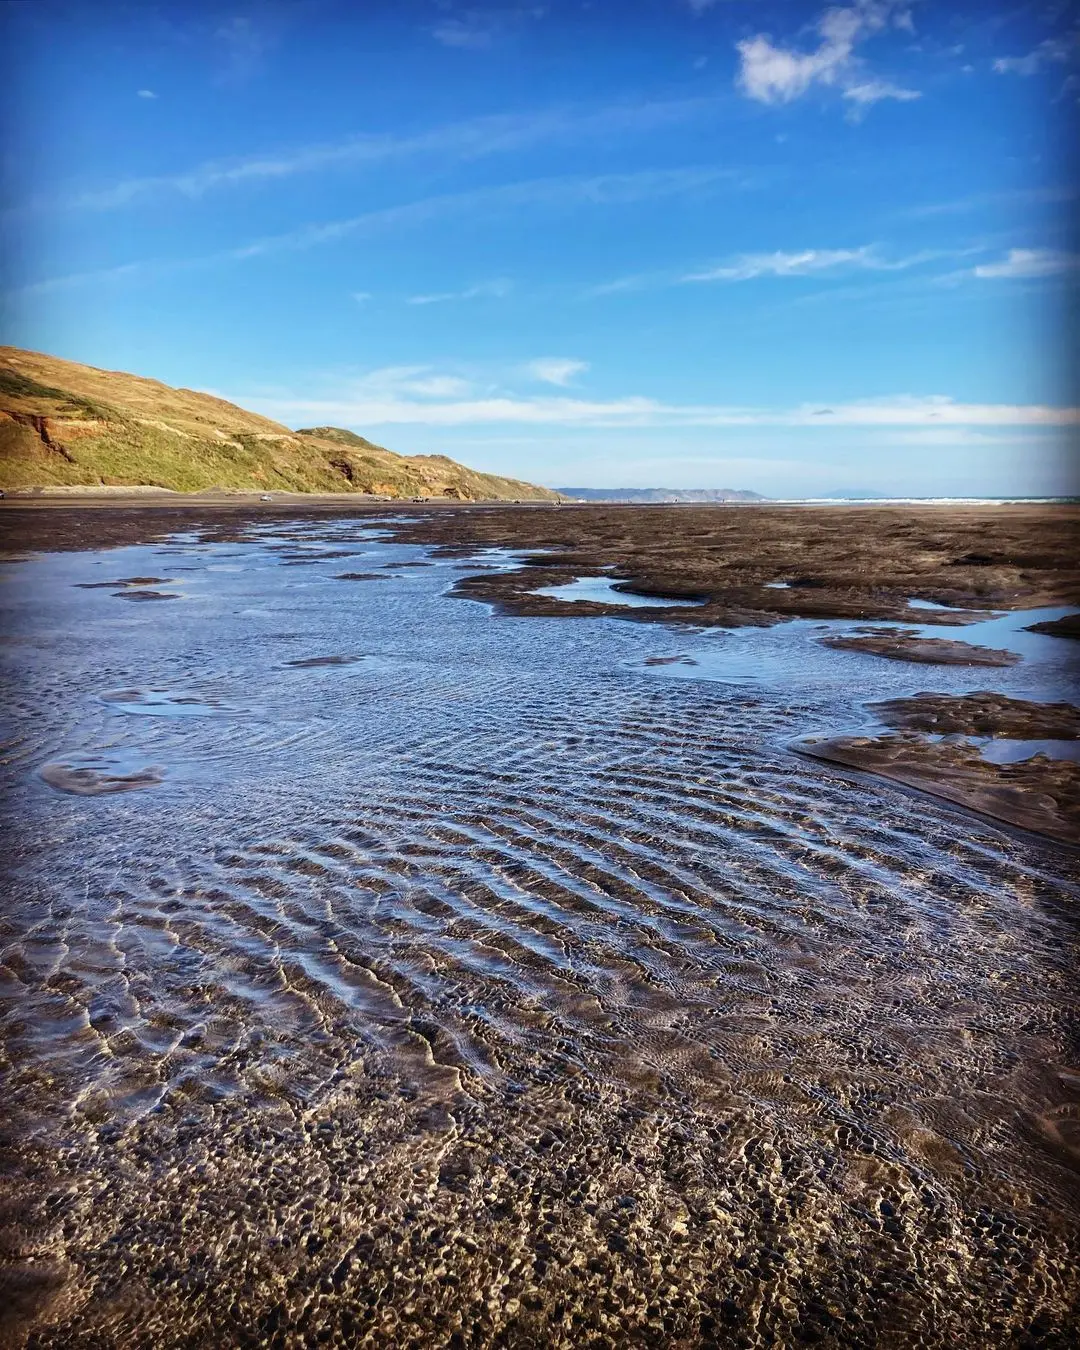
<point x="397" y="954"/>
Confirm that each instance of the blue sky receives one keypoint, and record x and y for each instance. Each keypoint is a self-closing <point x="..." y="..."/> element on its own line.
<point x="778" y="246"/>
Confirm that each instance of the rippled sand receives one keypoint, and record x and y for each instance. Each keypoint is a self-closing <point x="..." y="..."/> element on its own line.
<point x="512" y="985"/>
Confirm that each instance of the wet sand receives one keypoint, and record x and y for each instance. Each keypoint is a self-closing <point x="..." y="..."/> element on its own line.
<point x="515" y="985"/>
<point x="759" y="564"/>
<point x="895" y="645"/>
<point x="981" y="714"/>
<point x="929" y="748"/>
<point x="1039" y="794"/>
<point x="1068" y="626"/>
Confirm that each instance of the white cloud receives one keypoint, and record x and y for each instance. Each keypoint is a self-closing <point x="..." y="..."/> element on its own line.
<point x="391" y="383"/>
<point x="873" y="91"/>
<point x="146" y="93"/>
<point x="242" y="43"/>
<point x="1051" y="51"/>
<point x="775" y="74"/>
<point x="1029" y="263"/>
<point x="418" y="396"/>
<point x="495" y="290"/>
<point x="807" y="262"/>
<point x="944" y="436"/>
<point x="621" y="285"/>
<point x="750" y="265"/>
<point x="361" y="297"/>
<point x="558" y="370"/>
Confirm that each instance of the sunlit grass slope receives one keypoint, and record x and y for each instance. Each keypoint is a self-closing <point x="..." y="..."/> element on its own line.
<point x="68" y="425"/>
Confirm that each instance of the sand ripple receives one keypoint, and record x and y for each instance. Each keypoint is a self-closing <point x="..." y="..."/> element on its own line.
<point x="467" y="1001"/>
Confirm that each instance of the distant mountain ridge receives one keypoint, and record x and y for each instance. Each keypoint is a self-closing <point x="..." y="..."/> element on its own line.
<point x="67" y="425"/>
<point x="662" y="494"/>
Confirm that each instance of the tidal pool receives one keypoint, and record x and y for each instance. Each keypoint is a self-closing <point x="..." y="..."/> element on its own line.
<point x="606" y="591"/>
<point x="513" y="985"/>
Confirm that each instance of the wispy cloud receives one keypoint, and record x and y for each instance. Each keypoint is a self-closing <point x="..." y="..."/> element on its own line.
<point x="624" y="285"/>
<point x="1019" y="197"/>
<point x="807" y="262"/>
<point x="771" y="73"/>
<point x="471" y="139"/>
<point x="948" y="436"/>
<point x="873" y="91"/>
<point x="551" y="193"/>
<point x="146" y="93"/>
<point x="361" y="297"/>
<point x="495" y="290"/>
<point x="422" y="396"/>
<point x="558" y="370"/>
<point x="241" y="44"/>
<point x="1028" y="264"/>
<point x="1049" y="52"/>
<point x="481" y="29"/>
<point x="403" y="382"/>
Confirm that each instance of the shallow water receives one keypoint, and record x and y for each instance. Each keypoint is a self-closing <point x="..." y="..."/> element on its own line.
<point x="1015" y="751"/>
<point x="932" y="604"/>
<point x="1009" y="632"/>
<point x="509" y="978"/>
<point x="604" y="590"/>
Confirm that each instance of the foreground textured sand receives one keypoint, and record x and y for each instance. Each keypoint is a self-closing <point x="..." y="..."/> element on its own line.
<point x="475" y="982"/>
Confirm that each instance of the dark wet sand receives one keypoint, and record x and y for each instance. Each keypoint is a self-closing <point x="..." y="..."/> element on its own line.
<point x="1039" y="794"/>
<point x="899" y="646"/>
<point x="1068" y="627"/>
<point x="981" y="714"/>
<point x="92" y="778"/>
<point x="838" y="562"/>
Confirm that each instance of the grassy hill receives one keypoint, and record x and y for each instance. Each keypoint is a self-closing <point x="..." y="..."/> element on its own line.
<point x="63" y="424"/>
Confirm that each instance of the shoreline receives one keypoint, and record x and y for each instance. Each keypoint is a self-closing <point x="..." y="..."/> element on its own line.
<point x="734" y="564"/>
<point x="367" y="926"/>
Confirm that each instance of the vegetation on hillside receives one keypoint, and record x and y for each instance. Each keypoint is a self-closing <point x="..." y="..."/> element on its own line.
<point x="68" y="425"/>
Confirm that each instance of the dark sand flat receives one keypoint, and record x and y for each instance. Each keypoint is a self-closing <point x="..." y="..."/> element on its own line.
<point x="897" y="646"/>
<point x="838" y="562"/>
<point x="1066" y="627"/>
<point x="1041" y="793"/>
<point x="1038" y="794"/>
<point x="981" y="714"/>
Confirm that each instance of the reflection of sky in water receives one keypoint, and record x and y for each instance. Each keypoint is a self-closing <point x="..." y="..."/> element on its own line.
<point x="1007" y="631"/>
<point x="932" y="604"/>
<point x="158" y="703"/>
<point x="491" y="559"/>
<point x="602" y="589"/>
<point x="236" y="625"/>
<point x="510" y="837"/>
<point x="1012" y="752"/>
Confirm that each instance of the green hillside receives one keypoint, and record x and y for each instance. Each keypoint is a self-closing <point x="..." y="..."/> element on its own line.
<point x="68" y="425"/>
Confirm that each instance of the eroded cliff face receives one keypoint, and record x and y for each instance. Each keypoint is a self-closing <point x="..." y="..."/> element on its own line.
<point x="55" y="433"/>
